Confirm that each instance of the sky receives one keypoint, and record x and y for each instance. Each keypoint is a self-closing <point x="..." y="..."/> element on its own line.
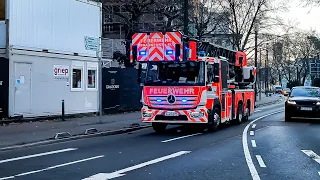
<point x="307" y="17"/>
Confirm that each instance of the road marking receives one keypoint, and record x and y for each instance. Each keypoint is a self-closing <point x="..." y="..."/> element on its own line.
<point x="180" y="137"/>
<point x="37" y="155"/>
<point x="252" y="168"/>
<point x="251" y="133"/>
<point x="254" y="126"/>
<point x="257" y="110"/>
<point x="319" y="173"/>
<point x="312" y="154"/>
<point x="51" y="167"/>
<point x="119" y="173"/>
<point x="260" y="161"/>
<point x="253" y="142"/>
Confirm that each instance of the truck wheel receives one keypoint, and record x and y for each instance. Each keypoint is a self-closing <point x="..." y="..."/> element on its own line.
<point x="215" y="120"/>
<point x="247" y="114"/>
<point x="240" y="117"/>
<point x="159" y="127"/>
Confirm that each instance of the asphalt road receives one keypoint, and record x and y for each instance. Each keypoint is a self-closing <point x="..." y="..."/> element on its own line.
<point x="266" y="147"/>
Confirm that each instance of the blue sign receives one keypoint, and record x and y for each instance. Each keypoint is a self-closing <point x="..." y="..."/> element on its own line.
<point x="92" y="43"/>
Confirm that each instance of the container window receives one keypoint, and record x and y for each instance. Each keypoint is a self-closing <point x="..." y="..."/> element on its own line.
<point x="77" y="76"/>
<point x="92" y="78"/>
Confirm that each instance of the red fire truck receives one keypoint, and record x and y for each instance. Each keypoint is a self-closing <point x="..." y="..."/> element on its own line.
<point x="191" y="82"/>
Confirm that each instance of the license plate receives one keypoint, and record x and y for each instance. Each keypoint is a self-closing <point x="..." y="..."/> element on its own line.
<point x="306" y="108"/>
<point x="171" y="113"/>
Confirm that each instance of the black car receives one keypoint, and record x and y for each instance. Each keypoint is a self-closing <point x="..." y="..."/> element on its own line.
<point x="303" y="103"/>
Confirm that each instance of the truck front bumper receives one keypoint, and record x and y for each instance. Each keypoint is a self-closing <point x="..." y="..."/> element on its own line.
<point x="198" y="115"/>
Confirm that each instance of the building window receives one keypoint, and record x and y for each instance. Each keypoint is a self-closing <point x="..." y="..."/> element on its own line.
<point x="77" y="76"/>
<point x="92" y="76"/>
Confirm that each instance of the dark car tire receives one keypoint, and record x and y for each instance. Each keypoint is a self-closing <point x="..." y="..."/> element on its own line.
<point x="240" y="116"/>
<point x="287" y="117"/>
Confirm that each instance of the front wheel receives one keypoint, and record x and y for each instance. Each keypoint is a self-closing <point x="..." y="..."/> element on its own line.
<point x="215" y="120"/>
<point x="159" y="127"/>
<point x="287" y="117"/>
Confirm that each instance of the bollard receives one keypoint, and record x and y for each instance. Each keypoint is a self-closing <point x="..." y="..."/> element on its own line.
<point x="62" y="111"/>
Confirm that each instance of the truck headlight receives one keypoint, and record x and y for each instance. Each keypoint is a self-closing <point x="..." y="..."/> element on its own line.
<point x="318" y="103"/>
<point x="146" y="114"/>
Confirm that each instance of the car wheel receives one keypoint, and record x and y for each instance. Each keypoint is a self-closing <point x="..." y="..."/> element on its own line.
<point x="159" y="127"/>
<point x="287" y="117"/>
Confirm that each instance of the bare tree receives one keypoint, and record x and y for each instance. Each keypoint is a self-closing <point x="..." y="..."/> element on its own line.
<point x="244" y="14"/>
<point x="132" y="11"/>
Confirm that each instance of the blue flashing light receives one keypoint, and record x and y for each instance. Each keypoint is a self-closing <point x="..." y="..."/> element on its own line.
<point x="184" y="100"/>
<point x="142" y="53"/>
<point x="158" y="100"/>
<point x="202" y="53"/>
<point x="169" y="52"/>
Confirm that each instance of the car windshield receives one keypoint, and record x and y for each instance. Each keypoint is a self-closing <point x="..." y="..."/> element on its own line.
<point x="277" y="88"/>
<point x="175" y="73"/>
<point x="305" y="92"/>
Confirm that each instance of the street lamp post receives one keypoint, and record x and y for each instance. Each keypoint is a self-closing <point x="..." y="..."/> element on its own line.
<point x="260" y="75"/>
<point x="255" y="58"/>
<point x="266" y="73"/>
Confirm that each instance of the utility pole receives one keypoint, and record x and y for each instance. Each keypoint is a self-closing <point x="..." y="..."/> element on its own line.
<point x="186" y="29"/>
<point x="260" y="75"/>
<point x="266" y="74"/>
<point x="186" y="20"/>
<point x="255" y="59"/>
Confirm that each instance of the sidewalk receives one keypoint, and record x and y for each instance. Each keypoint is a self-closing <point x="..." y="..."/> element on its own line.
<point x="17" y="134"/>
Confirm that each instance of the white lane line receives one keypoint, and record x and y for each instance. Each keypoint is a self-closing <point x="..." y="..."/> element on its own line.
<point x="254" y="126"/>
<point x="37" y="155"/>
<point x="119" y="173"/>
<point x="312" y="154"/>
<point x="260" y="161"/>
<point x="252" y="168"/>
<point x="257" y="110"/>
<point x="51" y="167"/>
<point x="253" y="143"/>
<point x="251" y="133"/>
<point x="319" y="173"/>
<point x="180" y="137"/>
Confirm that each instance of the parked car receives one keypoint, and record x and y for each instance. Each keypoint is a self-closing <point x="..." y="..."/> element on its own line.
<point x="303" y="103"/>
<point x="286" y="91"/>
<point x="277" y="89"/>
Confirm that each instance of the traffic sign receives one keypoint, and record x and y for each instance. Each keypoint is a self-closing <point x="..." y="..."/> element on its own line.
<point x="92" y="43"/>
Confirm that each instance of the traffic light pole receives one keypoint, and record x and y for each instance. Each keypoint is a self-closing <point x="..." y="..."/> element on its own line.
<point x="185" y="29"/>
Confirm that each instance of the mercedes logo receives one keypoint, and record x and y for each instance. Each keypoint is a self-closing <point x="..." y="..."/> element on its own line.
<point x="171" y="99"/>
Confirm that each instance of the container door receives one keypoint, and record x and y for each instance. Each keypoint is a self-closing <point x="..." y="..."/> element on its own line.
<point x="22" y="98"/>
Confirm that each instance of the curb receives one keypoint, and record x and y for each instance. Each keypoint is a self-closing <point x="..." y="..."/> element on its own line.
<point x="272" y="102"/>
<point x="77" y="137"/>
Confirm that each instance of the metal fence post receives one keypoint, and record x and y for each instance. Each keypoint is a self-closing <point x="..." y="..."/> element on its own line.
<point x="62" y="111"/>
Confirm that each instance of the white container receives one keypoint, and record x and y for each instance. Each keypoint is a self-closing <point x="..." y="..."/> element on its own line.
<point x="59" y="26"/>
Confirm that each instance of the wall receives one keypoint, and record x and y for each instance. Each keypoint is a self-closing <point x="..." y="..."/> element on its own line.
<point x="55" y="25"/>
<point x="48" y="91"/>
<point x="4" y="87"/>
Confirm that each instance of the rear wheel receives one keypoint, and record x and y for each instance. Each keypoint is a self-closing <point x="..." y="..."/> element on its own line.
<point x="159" y="127"/>
<point x="246" y="114"/>
<point x="215" y="120"/>
<point x="240" y="115"/>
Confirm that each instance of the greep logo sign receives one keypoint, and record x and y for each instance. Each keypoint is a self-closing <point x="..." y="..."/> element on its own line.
<point x="176" y="91"/>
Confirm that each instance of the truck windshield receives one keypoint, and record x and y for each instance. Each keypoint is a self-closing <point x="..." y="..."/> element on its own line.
<point x="175" y="73"/>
